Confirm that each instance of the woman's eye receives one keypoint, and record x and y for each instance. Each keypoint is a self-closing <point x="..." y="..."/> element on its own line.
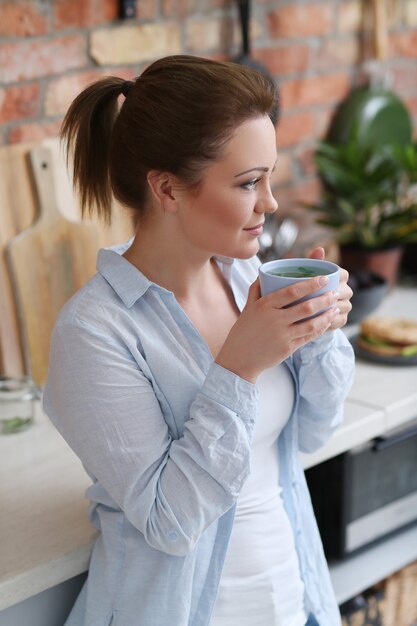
<point x="251" y="184"/>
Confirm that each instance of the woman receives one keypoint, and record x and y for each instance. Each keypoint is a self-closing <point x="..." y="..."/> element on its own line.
<point x="184" y="393"/>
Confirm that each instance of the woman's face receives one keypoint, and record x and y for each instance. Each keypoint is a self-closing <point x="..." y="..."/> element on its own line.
<point x="225" y="216"/>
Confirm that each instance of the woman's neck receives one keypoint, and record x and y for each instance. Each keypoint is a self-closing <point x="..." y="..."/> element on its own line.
<point x="171" y="263"/>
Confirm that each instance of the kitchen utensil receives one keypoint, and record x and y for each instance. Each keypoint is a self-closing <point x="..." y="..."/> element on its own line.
<point x="266" y="239"/>
<point x="277" y="238"/>
<point x="373" y="115"/>
<point x="285" y="237"/>
<point x="17" y="210"/>
<point x="245" y="57"/>
<point x="47" y="262"/>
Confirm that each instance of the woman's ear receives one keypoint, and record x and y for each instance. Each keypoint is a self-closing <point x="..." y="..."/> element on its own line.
<point x="162" y="186"/>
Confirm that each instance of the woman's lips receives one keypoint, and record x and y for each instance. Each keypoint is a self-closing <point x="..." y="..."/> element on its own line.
<point x="255" y="230"/>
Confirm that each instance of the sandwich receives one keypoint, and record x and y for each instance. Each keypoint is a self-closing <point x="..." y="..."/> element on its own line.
<point x="389" y="336"/>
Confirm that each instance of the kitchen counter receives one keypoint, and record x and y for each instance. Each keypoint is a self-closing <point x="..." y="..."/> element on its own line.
<point x="45" y="535"/>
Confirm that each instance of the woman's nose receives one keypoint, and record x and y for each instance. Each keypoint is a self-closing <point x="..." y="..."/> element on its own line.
<point x="267" y="203"/>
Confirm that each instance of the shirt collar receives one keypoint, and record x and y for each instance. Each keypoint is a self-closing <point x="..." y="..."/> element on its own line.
<point x="128" y="282"/>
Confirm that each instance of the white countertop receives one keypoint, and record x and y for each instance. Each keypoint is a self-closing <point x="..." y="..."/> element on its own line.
<point x="45" y="536"/>
<point x="383" y="397"/>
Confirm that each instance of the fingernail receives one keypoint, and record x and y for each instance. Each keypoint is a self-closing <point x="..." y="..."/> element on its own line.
<point x="336" y="311"/>
<point x="323" y="280"/>
<point x="336" y="295"/>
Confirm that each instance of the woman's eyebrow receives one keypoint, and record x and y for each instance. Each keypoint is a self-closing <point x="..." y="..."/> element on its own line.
<point x="256" y="169"/>
<point x="253" y="169"/>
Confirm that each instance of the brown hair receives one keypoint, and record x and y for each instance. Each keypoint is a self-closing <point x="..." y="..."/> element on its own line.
<point x="176" y="117"/>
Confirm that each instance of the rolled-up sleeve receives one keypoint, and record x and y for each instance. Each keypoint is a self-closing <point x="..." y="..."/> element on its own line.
<point x="106" y="408"/>
<point x="325" y="370"/>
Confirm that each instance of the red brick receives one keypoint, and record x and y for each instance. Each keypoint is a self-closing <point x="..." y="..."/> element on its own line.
<point x="283" y="170"/>
<point x="314" y="91"/>
<point x="182" y="8"/>
<point x="338" y="52"/>
<point x="323" y="119"/>
<point x="34" y="132"/>
<point x="295" y="195"/>
<point x="284" y="59"/>
<point x="405" y="78"/>
<point x="350" y="16"/>
<point x="84" y="13"/>
<point x="179" y="8"/>
<point x="209" y="33"/>
<point x="146" y="9"/>
<point x="21" y="19"/>
<point x="305" y="160"/>
<point x="403" y="44"/>
<point x="295" y="128"/>
<point x="61" y="91"/>
<point x="300" y="21"/>
<point x="19" y="103"/>
<point x="34" y="58"/>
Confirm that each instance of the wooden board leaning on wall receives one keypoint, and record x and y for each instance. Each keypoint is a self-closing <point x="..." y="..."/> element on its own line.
<point x="18" y="211"/>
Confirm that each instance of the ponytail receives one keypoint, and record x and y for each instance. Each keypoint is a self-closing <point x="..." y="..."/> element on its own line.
<point x="86" y="131"/>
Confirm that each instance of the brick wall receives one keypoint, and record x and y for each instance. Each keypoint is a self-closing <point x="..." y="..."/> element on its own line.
<point x="51" y="49"/>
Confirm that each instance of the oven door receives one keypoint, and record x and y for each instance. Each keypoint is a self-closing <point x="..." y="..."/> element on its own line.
<point x="380" y="488"/>
<point x="367" y="493"/>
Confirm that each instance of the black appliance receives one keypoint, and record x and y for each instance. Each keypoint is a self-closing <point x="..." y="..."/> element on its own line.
<point x="365" y="494"/>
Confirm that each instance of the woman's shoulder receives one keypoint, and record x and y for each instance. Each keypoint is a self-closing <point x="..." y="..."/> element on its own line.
<point x="101" y="297"/>
<point x="90" y="305"/>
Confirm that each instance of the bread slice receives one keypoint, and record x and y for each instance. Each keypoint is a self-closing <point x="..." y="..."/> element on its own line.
<point x="391" y="329"/>
<point x="389" y="336"/>
<point x="383" y="350"/>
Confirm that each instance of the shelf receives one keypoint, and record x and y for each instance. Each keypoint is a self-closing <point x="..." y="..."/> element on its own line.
<point x="357" y="573"/>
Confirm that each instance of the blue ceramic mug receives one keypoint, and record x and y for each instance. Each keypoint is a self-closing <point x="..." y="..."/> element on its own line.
<point x="280" y="273"/>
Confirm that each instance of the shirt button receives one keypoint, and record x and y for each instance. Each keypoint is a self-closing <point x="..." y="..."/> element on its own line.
<point x="172" y="535"/>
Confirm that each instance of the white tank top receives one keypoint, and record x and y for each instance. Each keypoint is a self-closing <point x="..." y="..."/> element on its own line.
<point x="261" y="583"/>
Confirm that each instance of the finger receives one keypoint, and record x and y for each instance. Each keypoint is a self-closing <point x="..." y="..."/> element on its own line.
<point x="308" y="330"/>
<point x="343" y="275"/>
<point x="288" y="295"/>
<point x="312" y="308"/>
<point x="339" y="321"/>
<point x="345" y="293"/>
<point x="317" y="253"/>
<point x="254" y="291"/>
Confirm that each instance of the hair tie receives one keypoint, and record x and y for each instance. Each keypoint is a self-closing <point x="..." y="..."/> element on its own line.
<point x="126" y="87"/>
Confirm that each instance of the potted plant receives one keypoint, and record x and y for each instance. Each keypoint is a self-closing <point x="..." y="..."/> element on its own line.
<point x="369" y="200"/>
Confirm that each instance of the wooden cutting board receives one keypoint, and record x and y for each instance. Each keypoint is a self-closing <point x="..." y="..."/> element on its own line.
<point x="48" y="263"/>
<point x="16" y="213"/>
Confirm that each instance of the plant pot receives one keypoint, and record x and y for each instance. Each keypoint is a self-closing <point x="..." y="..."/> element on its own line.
<point x="409" y="261"/>
<point x="385" y="262"/>
<point x="369" y="290"/>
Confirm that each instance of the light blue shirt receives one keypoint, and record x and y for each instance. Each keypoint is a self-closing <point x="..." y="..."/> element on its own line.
<point x="165" y="435"/>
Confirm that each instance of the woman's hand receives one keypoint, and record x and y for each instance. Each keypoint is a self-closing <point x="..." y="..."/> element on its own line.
<point x="269" y="330"/>
<point x="345" y="293"/>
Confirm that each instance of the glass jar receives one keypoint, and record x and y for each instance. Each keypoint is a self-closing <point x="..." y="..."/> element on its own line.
<point x="17" y="404"/>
